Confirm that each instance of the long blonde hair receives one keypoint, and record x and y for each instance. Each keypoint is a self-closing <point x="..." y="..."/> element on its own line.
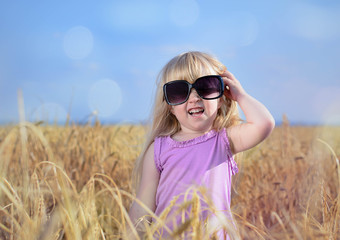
<point x="188" y="66"/>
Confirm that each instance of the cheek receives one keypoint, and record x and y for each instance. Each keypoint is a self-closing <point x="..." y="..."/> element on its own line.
<point x="176" y="110"/>
<point x="216" y="104"/>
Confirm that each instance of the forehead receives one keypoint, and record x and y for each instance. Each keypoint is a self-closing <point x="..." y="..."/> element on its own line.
<point x="190" y="76"/>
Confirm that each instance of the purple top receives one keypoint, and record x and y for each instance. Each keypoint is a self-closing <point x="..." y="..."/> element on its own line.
<point x="203" y="161"/>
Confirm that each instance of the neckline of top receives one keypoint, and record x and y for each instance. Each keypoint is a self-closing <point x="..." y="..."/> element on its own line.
<point x="192" y="141"/>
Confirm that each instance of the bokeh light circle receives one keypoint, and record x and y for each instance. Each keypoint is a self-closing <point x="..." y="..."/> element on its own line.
<point x="184" y="12"/>
<point x="105" y="97"/>
<point x="331" y="115"/>
<point x="49" y="112"/>
<point x="78" y="42"/>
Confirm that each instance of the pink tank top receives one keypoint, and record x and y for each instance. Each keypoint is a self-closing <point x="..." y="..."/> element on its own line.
<point x="203" y="161"/>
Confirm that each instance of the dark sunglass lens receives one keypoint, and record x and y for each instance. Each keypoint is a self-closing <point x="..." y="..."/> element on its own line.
<point x="209" y="87"/>
<point x="177" y="92"/>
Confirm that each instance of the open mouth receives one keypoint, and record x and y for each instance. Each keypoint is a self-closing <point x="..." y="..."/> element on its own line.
<point x="196" y="111"/>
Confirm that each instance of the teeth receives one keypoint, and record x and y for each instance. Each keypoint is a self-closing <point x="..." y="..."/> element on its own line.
<point x="195" y="111"/>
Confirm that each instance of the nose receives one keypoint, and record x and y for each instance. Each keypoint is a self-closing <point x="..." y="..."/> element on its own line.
<point x="194" y="97"/>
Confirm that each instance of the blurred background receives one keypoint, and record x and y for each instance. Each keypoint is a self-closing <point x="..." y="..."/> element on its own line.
<point x="101" y="58"/>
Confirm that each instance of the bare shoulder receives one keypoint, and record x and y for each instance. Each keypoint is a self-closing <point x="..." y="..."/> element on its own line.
<point x="247" y="135"/>
<point x="147" y="187"/>
<point x="150" y="151"/>
<point x="150" y="176"/>
<point x="149" y="166"/>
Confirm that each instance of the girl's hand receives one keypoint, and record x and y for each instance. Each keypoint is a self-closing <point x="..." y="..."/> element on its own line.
<point x="233" y="88"/>
<point x="259" y="122"/>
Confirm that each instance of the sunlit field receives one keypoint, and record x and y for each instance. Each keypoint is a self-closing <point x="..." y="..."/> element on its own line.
<point x="73" y="182"/>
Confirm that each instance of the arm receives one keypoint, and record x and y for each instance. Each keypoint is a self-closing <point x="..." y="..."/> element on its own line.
<point x="259" y="122"/>
<point x="147" y="188"/>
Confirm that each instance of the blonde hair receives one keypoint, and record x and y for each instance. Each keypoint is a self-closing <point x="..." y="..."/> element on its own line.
<point x="187" y="66"/>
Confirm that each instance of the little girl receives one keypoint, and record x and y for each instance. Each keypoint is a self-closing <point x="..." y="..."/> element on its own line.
<point x="195" y="132"/>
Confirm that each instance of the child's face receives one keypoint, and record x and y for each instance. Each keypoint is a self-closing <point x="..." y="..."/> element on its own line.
<point x="196" y="115"/>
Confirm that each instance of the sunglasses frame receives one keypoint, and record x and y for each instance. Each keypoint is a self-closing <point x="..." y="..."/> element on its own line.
<point x="191" y="86"/>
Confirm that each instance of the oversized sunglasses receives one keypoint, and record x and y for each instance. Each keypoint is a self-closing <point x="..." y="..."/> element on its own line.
<point x="207" y="87"/>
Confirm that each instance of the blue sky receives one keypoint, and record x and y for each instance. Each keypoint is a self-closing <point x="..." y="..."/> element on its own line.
<point x="103" y="57"/>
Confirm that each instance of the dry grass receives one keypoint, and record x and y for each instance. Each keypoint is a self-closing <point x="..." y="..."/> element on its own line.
<point x="74" y="183"/>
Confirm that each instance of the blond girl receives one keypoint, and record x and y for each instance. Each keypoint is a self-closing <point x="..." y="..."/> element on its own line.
<point x="194" y="135"/>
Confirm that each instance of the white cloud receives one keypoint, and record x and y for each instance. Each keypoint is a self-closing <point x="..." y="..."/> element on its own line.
<point x="313" y="22"/>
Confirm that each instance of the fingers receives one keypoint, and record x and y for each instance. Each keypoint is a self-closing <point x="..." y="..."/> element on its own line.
<point x="228" y="87"/>
<point x="229" y="79"/>
<point x="233" y="87"/>
<point x="230" y="82"/>
<point x="228" y="75"/>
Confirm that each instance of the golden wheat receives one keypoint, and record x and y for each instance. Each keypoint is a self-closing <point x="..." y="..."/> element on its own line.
<point x="73" y="182"/>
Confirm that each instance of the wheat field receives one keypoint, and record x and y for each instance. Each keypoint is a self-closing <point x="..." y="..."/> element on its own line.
<point x="73" y="182"/>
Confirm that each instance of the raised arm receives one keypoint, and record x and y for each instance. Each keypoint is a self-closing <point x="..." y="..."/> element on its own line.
<point x="259" y="122"/>
<point x="147" y="188"/>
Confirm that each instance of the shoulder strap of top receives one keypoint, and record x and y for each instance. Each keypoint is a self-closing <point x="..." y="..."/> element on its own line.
<point x="157" y="153"/>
